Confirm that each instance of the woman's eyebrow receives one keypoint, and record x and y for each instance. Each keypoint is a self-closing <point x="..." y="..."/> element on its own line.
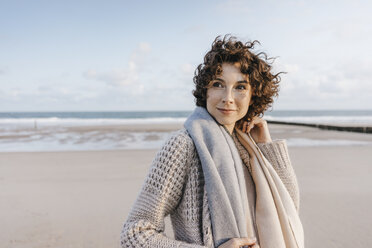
<point x="239" y="82"/>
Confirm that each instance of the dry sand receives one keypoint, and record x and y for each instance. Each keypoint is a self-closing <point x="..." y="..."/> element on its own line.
<point x="81" y="199"/>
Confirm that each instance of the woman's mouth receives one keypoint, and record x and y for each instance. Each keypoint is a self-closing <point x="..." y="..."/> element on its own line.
<point x="226" y="111"/>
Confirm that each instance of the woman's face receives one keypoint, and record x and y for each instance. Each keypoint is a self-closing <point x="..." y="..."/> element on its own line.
<point x="229" y="96"/>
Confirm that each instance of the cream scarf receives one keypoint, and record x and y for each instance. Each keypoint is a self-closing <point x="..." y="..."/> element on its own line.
<point x="277" y="220"/>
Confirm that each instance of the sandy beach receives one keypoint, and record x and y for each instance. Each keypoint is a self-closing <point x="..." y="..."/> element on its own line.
<point x="76" y="199"/>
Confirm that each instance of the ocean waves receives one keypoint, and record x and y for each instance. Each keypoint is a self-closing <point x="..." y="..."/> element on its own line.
<point x="70" y="131"/>
<point x="62" y="139"/>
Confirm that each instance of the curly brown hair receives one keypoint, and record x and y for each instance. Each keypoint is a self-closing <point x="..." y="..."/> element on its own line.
<point x="265" y="84"/>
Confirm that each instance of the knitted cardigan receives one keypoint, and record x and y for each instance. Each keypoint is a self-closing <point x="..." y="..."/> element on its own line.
<point x="175" y="186"/>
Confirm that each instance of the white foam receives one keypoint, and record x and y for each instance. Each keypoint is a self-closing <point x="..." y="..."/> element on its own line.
<point x="18" y="123"/>
<point x="129" y="141"/>
<point x="13" y="123"/>
<point x="20" y="135"/>
<point x="67" y="141"/>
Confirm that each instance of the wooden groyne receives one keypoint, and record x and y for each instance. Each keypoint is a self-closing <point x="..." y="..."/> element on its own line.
<point x="357" y="129"/>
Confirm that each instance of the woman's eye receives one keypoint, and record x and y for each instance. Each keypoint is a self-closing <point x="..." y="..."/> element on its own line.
<point x="217" y="84"/>
<point x="241" y="87"/>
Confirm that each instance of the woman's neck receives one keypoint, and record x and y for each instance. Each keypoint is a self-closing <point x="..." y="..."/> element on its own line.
<point x="230" y="128"/>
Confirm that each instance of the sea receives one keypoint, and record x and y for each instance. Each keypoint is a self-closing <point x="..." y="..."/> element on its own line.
<point x="52" y="131"/>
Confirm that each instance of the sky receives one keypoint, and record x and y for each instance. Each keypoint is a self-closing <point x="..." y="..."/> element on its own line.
<point x="141" y="55"/>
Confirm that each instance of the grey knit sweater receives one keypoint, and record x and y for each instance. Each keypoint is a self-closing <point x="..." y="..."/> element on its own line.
<point x="175" y="186"/>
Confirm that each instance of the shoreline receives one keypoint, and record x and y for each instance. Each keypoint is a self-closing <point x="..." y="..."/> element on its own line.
<point x="152" y="136"/>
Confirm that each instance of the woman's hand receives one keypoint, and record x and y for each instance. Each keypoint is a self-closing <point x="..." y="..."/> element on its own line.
<point x="240" y="243"/>
<point x="258" y="129"/>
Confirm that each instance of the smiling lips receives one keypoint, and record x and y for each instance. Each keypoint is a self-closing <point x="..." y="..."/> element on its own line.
<point x="226" y="111"/>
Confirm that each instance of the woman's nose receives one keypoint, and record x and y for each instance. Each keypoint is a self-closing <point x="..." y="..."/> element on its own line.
<point x="228" y="96"/>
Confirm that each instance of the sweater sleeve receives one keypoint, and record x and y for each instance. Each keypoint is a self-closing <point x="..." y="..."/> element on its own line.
<point x="277" y="154"/>
<point x="159" y="196"/>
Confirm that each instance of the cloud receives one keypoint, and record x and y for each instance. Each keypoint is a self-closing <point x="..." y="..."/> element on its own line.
<point x="337" y="85"/>
<point x="115" y="77"/>
<point x="123" y="76"/>
<point x="345" y="31"/>
<point x="142" y="49"/>
<point x="164" y="81"/>
<point x="187" y="69"/>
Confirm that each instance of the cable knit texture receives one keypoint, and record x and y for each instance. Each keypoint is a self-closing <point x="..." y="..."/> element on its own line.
<point x="175" y="186"/>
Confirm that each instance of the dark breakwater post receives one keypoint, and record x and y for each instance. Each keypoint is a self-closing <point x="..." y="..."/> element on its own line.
<point x="362" y="129"/>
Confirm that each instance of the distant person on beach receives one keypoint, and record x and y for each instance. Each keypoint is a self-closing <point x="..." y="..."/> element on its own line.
<point x="221" y="178"/>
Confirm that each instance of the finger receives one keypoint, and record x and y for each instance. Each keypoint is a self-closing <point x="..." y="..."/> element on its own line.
<point x="245" y="241"/>
<point x="251" y="125"/>
<point x="245" y="125"/>
<point x="256" y="121"/>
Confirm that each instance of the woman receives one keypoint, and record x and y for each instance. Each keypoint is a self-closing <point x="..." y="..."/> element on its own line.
<point x="222" y="180"/>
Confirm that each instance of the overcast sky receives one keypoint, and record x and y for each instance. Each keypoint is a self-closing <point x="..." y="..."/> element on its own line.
<point x="141" y="55"/>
